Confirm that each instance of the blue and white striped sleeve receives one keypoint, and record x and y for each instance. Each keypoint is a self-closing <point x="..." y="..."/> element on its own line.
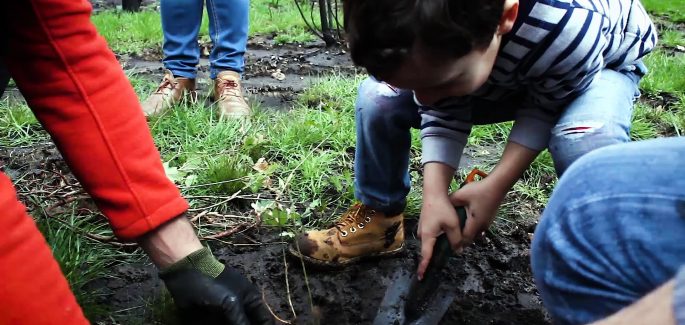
<point x="565" y="71"/>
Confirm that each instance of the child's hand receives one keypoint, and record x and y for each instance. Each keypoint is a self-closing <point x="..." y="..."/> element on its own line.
<point x="481" y="200"/>
<point x="437" y="216"/>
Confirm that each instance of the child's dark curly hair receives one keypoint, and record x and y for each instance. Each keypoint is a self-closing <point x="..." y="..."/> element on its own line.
<point x="381" y="33"/>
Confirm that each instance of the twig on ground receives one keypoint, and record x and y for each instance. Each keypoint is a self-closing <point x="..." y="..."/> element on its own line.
<point x="306" y="279"/>
<point x="230" y="198"/>
<point x="198" y="216"/>
<point x="240" y="227"/>
<point x="63" y="202"/>
<point x="111" y="240"/>
<point x="287" y="286"/>
<point x="215" y="183"/>
<point x="272" y="312"/>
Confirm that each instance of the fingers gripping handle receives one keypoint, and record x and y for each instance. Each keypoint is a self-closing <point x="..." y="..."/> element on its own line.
<point x="420" y="291"/>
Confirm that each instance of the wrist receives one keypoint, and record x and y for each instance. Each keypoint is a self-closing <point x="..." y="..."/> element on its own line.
<point x="170" y="242"/>
<point x="500" y="182"/>
<point x="202" y="260"/>
<point x="436" y="179"/>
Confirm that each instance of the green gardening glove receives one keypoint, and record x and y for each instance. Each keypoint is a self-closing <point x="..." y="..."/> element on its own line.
<point x="207" y="292"/>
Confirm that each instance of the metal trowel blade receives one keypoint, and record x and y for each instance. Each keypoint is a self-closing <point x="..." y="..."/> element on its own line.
<point x="391" y="311"/>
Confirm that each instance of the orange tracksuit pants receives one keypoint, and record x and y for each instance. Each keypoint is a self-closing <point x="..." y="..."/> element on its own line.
<point x="79" y="93"/>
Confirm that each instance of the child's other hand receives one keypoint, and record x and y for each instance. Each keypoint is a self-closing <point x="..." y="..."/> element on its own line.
<point x="437" y="216"/>
<point x="481" y="200"/>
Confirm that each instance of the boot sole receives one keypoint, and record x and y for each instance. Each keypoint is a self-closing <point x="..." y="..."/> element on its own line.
<point x="329" y="264"/>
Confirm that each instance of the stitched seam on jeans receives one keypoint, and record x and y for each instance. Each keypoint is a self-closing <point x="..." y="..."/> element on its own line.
<point x="215" y="18"/>
<point x="89" y="105"/>
<point x="574" y="204"/>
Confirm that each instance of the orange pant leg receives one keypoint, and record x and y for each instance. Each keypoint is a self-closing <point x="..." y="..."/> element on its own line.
<point x="32" y="287"/>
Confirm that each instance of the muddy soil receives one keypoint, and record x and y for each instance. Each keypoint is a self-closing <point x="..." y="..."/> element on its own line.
<point x="492" y="280"/>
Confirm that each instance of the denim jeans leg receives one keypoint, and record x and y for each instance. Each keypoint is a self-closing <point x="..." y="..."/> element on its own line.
<point x="228" y="27"/>
<point x="599" y="117"/>
<point x="181" y="21"/>
<point x="384" y="118"/>
<point x="612" y="230"/>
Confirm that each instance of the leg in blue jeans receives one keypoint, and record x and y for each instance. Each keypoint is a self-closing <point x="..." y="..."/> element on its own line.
<point x="181" y="25"/>
<point x="228" y="25"/>
<point x="599" y="117"/>
<point x="384" y="118"/>
<point x="612" y="231"/>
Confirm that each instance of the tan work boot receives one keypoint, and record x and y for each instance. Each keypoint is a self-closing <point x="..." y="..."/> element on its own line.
<point x="360" y="233"/>
<point x="169" y="93"/>
<point x="228" y="95"/>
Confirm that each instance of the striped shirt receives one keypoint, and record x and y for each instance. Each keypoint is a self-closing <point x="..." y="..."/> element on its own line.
<point x="554" y="51"/>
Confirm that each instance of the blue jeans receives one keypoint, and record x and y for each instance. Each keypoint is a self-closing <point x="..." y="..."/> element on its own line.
<point x="385" y="116"/>
<point x="613" y="230"/>
<point x="228" y="26"/>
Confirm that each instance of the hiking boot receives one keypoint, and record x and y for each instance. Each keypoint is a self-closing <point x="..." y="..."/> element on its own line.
<point x="228" y="95"/>
<point x="169" y="93"/>
<point x="361" y="232"/>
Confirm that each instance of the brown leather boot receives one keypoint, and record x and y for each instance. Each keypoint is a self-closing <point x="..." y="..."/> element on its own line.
<point x="228" y="95"/>
<point x="169" y="93"/>
<point x="360" y="233"/>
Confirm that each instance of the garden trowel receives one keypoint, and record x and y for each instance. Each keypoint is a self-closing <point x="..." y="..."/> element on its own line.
<point x="412" y="302"/>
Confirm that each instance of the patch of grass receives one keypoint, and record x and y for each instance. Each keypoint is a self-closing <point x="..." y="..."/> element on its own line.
<point x="666" y="73"/>
<point x="672" y="37"/>
<point x="491" y="133"/>
<point x="231" y="173"/>
<point x="280" y="17"/>
<point x="307" y="149"/>
<point x="651" y="122"/>
<point x="674" y="9"/>
<point x="131" y="33"/>
<point x="18" y="124"/>
<point x="81" y="260"/>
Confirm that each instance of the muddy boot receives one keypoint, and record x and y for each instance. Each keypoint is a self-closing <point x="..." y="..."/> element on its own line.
<point x="228" y="95"/>
<point x="360" y="233"/>
<point x="169" y="93"/>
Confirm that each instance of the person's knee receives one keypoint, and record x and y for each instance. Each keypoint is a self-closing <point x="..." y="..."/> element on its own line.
<point x="380" y="102"/>
<point x="570" y="141"/>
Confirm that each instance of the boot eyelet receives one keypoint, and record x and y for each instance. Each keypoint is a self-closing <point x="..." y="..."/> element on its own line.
<point x="353" y="229"/>
<point x="367" y="219"/>
<point x="361" y="226"/>
<point x="343" y="233"/>
<point x="373" y="213"/>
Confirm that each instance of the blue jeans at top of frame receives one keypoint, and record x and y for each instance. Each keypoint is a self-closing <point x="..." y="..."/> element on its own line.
<point x="228" y="27"/>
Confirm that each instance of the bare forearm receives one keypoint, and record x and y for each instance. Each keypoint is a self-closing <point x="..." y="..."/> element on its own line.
<point x="436" y="179"/>
<point x="654" y="308"/>
<point x="515" y="160"/>
<point x="170" y="242"/>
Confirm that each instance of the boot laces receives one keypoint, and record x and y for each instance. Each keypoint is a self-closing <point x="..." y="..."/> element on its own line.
<point x="356" y="216"/>
<point x="167" y="84"/>
<point x="228" y="87"/>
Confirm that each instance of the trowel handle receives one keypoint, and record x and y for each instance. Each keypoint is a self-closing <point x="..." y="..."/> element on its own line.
<point x="442" y="249"/>
<point x="420" y="291"/>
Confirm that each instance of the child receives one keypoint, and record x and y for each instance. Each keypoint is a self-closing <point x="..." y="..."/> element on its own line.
<point x="566" y="72"/>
